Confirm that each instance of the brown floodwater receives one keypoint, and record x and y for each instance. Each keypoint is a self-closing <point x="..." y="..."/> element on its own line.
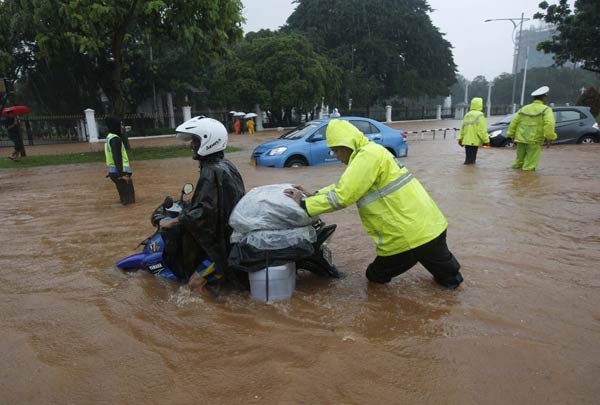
<point x="523" y="328"/>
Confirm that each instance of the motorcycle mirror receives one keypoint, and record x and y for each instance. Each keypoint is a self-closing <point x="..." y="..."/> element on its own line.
<point x="187" y="188"/>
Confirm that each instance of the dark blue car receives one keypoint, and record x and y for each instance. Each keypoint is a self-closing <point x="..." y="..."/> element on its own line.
<point x="306" y="146"/>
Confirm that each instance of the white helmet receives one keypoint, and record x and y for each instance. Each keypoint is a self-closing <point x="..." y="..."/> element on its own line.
<point x="210" y="132"/>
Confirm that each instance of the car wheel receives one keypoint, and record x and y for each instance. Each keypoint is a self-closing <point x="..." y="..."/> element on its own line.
<point x="509" y="143"/>
<point x="296" y="162"/>
<point x="587" y="139"/>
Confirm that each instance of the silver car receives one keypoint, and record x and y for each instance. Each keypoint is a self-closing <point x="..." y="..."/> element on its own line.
<point x="574" y="124"/>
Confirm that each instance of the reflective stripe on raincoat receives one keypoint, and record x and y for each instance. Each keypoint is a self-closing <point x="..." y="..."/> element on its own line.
<point x="532" y="124"/>
<point x="394" y="207"/>
<point x="473" y="131"/>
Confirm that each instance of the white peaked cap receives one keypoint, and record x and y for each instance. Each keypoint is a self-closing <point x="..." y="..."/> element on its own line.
<point x="541" y="91"/>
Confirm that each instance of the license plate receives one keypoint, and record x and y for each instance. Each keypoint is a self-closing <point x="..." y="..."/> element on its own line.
<point x="253" y="162"/>
<point x="326" y="252"/>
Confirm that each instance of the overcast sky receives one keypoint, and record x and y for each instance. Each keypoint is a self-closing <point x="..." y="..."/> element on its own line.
<point x="479" y="47"/>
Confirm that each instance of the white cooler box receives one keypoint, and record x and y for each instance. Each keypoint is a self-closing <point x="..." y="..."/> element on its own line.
<point x="275" y="283"/>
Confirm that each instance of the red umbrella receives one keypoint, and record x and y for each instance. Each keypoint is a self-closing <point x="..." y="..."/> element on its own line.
<point x="16" y="110"/>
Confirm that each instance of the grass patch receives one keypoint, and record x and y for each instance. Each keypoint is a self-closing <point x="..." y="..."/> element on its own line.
<point x="136" y="154"/>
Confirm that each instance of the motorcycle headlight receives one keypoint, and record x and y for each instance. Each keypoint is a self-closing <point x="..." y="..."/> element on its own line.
<point x="277" y="151"/>
<point x="495" y="133"/>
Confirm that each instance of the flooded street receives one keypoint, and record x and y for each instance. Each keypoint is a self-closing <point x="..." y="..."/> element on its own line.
<point x="524" y="327"/>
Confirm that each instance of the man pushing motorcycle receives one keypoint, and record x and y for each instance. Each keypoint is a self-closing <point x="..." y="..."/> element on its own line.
<point x="399" y="215"/>
<point x="204" y="230"/>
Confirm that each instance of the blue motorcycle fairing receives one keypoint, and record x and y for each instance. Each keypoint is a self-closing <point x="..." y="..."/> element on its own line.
<point x="151" y="259"/>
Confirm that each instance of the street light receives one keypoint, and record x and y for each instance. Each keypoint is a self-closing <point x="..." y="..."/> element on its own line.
<point x="489" y="99"/>
<point x="517" y="44"/>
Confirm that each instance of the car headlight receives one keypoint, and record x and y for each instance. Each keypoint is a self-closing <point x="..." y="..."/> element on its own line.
<point x="495" y="133"/>
<point x="277" y="151"/>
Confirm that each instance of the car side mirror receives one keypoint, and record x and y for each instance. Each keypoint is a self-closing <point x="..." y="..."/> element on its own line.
<point x="317" y="138"/>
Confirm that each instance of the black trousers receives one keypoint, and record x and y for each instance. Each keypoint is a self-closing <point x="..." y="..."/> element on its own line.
<point x="125" y="189"/>
<point x="434" y="256"/>
<point x="471" y="154"/>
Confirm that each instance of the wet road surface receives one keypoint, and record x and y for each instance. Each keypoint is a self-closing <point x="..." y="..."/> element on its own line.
<point x="523" y="327"/>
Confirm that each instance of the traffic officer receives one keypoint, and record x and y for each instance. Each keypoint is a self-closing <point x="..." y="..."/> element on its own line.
<point x="396" y="211"/>
<point x="117" y="161"/>
<point x="473" y="132"/>
<point x="533" y="124"/>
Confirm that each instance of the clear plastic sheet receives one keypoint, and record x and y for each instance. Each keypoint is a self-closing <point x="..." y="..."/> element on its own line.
<point x="267" y="219"/>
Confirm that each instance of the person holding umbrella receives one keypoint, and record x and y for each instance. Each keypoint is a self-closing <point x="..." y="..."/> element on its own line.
<point x="250" y="122"/>
<point x="12" y="123"/>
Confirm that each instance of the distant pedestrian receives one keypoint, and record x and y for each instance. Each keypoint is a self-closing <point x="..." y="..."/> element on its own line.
<point x="473" y="131"/>
<point x="12" y="123"/>
<point x="237" y="126"/>
<point x="533" y="124"/>
<point x="250" y="125"/>
<point x="119" y="169"/>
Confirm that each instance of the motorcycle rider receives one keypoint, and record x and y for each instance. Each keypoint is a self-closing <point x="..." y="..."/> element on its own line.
<point x="204" y="223"/>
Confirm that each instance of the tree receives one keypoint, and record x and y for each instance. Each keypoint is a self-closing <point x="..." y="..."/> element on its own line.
<point x="591" y="98"/>
<point x="277" y="70"/>
<point x="102" y="37"/>
<point x="578" y="32"/>
<point x="391" y="44"/>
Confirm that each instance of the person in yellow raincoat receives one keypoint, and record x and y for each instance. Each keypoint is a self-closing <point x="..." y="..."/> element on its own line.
<point x="250" y="125"/>
<point x="533" y="124"/>
<point x="396" y="211"/>
<point x="473" y="131"/>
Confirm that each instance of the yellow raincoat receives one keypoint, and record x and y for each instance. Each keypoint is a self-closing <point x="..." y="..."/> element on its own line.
<point x="394" y="207"/>
<point x="532" y="124"/>
<point x="473" y="131"/>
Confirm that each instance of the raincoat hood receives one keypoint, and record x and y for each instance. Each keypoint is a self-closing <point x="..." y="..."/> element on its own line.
<point x="477" y="104"/>
<point x="343" y="133"/>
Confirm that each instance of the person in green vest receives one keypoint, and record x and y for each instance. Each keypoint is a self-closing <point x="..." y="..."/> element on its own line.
<point x="531" y="126"/>
<point x="119" y="169"/>
<point x="473" y="131"/>
<point x="396" y="211"/>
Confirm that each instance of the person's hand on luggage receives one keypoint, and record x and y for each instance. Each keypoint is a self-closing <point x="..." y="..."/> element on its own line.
<point x="295" y="194"/>
<point x="304" y="191"/>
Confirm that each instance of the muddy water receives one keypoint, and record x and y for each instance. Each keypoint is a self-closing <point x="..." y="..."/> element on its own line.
<point x="524" y="327"/>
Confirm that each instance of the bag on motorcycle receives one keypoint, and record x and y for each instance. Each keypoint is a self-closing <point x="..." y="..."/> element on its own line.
<point x="267" y="208"/>
<point x="269" y="229"/>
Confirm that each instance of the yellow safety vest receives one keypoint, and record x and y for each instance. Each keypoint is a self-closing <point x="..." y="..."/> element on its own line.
<point x="532" y="124"/>
<point x="110" y="162"/>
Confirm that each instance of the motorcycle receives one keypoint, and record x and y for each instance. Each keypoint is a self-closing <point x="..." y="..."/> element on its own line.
<point x="155" y="259"/>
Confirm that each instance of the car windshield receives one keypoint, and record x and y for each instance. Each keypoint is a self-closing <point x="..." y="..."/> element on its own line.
<point x="300" y="131"/>
<point x="506" y="120"/>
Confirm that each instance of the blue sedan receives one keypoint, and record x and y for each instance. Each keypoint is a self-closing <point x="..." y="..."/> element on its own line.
<point x="306" y="146"/>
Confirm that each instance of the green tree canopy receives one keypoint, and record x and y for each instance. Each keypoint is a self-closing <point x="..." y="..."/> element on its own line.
<point x="100" y="42"/>
<point x="279" y="71"/>
<point x="578" y="32"/>
<point x="389" y="48"/>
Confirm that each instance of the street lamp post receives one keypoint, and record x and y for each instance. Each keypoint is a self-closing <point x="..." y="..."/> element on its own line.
<point x="489" y="99"/>
<point x="524" y="76"/>
<point x="517" y="44"/>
